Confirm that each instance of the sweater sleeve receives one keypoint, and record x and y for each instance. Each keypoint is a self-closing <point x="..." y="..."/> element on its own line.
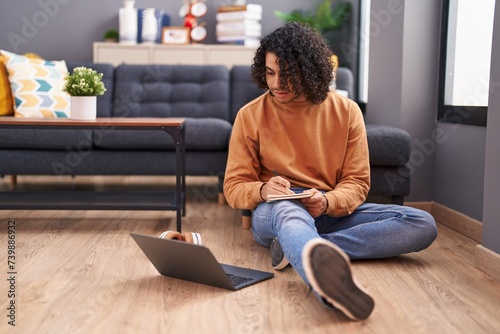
<point x="354" y="182"/>
<point x="241" y="181"/>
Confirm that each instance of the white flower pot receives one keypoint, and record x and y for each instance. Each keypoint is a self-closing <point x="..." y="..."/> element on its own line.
<point x="83" y="107"/>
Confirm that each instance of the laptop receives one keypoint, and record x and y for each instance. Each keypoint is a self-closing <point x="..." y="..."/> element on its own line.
<point x="196" y="263"/>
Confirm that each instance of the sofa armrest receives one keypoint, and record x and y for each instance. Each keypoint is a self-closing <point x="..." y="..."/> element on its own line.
<point x="344" y="80"/>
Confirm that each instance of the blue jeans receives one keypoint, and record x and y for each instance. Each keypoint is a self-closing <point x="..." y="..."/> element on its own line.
<point x="372" y="231"/>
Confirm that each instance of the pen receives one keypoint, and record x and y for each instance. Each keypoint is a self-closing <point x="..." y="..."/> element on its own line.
<point x="275" y="173"/>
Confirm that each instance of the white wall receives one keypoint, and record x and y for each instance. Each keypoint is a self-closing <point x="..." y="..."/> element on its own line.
<point x="66" y="29"/>
<point x="461" y="169"/>
<point x="403" y="80"/>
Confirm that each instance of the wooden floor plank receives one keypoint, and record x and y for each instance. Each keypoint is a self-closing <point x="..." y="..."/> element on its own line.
<point x="80" y="272"/>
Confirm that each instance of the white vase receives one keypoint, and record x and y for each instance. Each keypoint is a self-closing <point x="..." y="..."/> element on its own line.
<point x="127" y="17"/>
<point x="149" y="26"/>
<point x="83" y="107"/>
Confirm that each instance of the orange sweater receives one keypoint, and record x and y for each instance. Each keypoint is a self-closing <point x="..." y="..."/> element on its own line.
<point x="312" y="146"/>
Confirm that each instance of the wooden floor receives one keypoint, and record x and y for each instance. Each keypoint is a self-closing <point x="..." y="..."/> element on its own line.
<point x="80" y="272"/>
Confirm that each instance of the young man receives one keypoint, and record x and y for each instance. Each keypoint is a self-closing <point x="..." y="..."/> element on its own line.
<point x="301" y="137"/>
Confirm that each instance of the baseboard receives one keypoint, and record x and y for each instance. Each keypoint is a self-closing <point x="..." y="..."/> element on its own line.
<point x="468" y="226"/>
<point x="426" y="206"/>
<point x="455" y="220"/>
<point x="488" y="261"/>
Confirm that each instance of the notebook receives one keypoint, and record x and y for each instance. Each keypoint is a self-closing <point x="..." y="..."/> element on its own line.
<point x="196" y="263"/>
<point x="272" y="198"/>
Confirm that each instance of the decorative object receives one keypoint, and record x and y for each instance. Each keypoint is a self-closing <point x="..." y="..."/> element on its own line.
<point x="149" y="26"/>
<point x="6" y="101"/>
<point x="239" y="24"/>
<point x="163" y="20"/>
<point x="198" y="33"/>
<point x="84" y="85"/>
<point x="111" y="36"/>
<point x="145" y="24"/>
<point x="127" y="17"/>
<point x="175" y="35"/>
<point x="37" y="86"/>
<point x="198" y="9"/>
<point x="191" y="10"/>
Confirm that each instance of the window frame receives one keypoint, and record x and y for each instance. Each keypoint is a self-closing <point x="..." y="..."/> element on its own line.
<point x="456" y="114"/>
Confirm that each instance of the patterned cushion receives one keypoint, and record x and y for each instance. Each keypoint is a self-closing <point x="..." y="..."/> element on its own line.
<point x="6" y="103"/>
<point x="37" y="86"/>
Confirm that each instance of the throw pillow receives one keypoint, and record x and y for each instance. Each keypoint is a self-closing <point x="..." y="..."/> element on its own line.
<point x="335" y="60"/>
<point x="6" y="104"/>
<point x="37" y="86"/>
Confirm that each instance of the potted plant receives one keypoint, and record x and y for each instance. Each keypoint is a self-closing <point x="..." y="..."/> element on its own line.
<point x="83" y="86"/>
<point x="324" y="19"/>
<point x="111" y="36"/>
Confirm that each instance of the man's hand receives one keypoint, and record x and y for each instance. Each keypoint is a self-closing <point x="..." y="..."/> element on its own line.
<point x="275" y="186"/>
<point x="317" y="204"/>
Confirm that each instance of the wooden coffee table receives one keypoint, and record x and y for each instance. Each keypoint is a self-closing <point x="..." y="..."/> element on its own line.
<point x="103" y="200"/>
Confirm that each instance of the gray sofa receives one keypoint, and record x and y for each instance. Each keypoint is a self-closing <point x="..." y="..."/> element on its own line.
<point x="209" y="97"/>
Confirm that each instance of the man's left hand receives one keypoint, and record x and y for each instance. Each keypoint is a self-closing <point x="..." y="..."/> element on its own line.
<point x="317" y="204"/>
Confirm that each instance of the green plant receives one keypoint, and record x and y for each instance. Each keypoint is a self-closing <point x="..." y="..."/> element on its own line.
<point x="84" y="82"/>
<point x="111" y="34"/>
<point x="324" y="19"/>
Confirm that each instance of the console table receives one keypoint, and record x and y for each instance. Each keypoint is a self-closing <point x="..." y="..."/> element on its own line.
<point x="103" y="200"/>
<point x="198" y="54"/>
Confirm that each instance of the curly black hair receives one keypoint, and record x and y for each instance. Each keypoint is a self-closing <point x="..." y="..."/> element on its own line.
<point x="304" y="60"/>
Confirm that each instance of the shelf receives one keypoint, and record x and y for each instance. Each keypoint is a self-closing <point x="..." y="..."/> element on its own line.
<point x="87" y="200"/>
<point x="192" y="54"/>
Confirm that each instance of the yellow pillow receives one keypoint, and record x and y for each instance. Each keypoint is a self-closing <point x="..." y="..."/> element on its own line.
<point x="6" y="103"/>
<point x="37" y="86"/>
<point x="335" y="60"/>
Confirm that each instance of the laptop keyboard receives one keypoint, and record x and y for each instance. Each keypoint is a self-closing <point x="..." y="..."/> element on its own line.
<point x="237" y="280"/>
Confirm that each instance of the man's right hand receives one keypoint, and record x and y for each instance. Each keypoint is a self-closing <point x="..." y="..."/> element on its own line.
<point x="275" y="186"/>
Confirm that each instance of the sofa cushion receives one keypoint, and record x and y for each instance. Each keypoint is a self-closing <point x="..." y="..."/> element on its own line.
<point x="68" y="140"/>
<point x="171" y="91"/>
<point x="105" y="101"/>
<point x="243" y="88"/>
<point x="388" y="146"/>
<point x="37" y="86"/>
<point x="202" y="134"/>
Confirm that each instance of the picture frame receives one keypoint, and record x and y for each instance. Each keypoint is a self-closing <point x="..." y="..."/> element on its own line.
<point x="175" y="35"/>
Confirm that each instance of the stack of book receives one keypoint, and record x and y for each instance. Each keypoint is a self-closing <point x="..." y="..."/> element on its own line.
<point x="239" y="25"/>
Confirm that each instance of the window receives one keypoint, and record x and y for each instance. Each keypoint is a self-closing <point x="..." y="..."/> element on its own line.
<point x="466" y="38"/>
